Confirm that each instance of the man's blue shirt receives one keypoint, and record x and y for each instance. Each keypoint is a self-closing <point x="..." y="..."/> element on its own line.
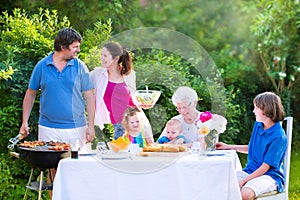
<point x="61" y="102"/>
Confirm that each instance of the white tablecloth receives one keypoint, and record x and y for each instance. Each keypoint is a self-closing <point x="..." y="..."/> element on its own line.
<point x="178" y="176"/>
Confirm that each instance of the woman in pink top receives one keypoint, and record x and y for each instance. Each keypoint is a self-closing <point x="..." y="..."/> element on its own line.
<point x="115" y="85"/>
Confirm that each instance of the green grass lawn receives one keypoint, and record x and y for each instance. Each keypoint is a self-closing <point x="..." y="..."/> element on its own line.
<point x="294" y="188"/>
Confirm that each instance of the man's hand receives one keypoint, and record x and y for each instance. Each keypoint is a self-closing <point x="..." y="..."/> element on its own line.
<point x="90" y="134"/>
<point x="24" y="131"/>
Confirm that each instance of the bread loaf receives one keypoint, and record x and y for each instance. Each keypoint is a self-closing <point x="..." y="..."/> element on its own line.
<point x="181" y="148"/>
<point x="170" y="148"/>
<point x="152" y="148"/>
<point x="164" y="148"/>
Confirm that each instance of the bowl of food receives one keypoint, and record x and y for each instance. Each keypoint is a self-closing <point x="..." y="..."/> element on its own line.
<point x="119" y="144"/>
<point x="147" y="98"/>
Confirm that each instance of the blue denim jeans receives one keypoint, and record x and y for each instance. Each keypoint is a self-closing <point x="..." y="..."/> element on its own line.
<point x="118" y="130"/>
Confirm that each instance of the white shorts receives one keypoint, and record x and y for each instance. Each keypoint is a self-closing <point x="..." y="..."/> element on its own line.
<point x="62" y="135"/>
<point x="259" y="185"/>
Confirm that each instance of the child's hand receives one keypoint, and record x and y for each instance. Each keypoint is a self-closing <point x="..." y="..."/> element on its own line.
<point x="242" y="183"/>
<point x="221" y="145"/>
<point x="179" y="141"/>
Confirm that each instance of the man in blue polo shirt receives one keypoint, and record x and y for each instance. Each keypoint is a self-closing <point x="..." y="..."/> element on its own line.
<point x="65" y="87"/>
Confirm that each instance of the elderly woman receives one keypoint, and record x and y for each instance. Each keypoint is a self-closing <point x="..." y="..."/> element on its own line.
<point x="185" y="99"/>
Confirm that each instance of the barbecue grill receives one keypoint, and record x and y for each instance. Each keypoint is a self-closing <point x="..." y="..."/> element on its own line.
<point x="41" y="158"/>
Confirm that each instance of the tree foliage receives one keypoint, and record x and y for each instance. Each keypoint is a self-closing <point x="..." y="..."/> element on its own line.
<point x="214" y="24"/>
<point x="83" y="14"/>
<point x="276" y="30"/>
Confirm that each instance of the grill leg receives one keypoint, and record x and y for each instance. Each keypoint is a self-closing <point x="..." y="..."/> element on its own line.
<point x="41" y="184"/>
<point x="29" y="181"/>
<point x="50" y="178"/>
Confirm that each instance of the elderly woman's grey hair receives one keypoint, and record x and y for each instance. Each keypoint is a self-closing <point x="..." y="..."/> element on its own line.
<point x="184" y="94"/>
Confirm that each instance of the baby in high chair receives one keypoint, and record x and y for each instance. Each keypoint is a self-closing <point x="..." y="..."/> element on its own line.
<point x="173" y="133"/>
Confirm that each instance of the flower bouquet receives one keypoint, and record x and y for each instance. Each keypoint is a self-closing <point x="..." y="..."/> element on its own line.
<point x="210" y="126"/>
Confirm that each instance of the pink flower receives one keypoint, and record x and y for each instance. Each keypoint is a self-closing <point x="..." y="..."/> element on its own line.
<point x="208" y="122"/>
<point x="205" y="116"/>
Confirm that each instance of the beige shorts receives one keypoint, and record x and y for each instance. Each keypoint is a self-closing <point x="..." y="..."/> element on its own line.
<point x="259" y="185"/>
<point x="62" y="135"/>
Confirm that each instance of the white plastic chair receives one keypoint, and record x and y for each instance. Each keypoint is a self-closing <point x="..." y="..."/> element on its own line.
<point x="285" y="194"/>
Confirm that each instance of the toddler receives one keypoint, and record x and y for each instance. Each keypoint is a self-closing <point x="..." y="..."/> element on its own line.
<point x="134" y="127"/>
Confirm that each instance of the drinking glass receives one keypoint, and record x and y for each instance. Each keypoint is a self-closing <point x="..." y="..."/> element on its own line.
<point x="196" y="147"/>
<point x="101" y="146"/>
<point x="134" y="148"/>
<point x="75" y="146"/>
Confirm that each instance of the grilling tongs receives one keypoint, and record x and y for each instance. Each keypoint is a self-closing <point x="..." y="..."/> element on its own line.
<point x="14" y="141"/>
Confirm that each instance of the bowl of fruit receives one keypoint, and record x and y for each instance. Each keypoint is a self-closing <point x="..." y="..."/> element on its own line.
<point x="120" y="144"/>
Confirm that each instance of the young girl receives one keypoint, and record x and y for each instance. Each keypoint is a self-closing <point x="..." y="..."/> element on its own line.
<point x="265" y="150"/>
<point x="173" y="133"/>
<point x="134" y="127"/>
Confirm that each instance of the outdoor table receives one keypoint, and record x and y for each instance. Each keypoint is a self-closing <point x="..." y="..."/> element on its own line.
<point x="158" y="176"/>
